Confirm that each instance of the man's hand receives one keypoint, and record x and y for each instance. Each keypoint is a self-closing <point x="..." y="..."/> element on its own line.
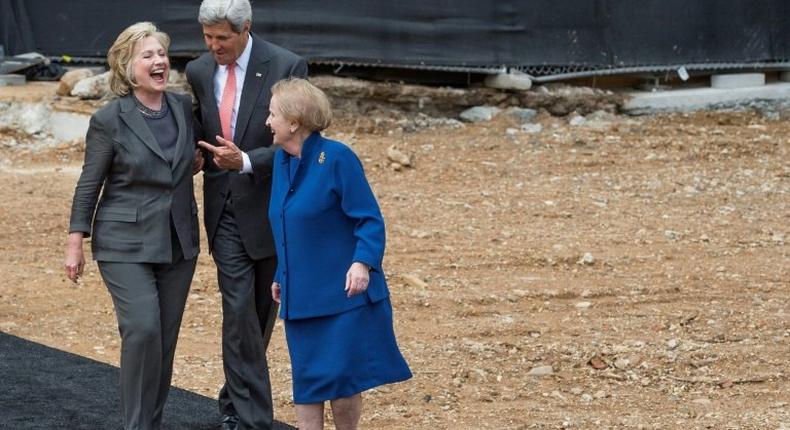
<point x="226" y="155"/>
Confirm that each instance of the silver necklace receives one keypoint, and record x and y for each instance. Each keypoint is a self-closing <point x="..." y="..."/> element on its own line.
<point x="150" y="113"/>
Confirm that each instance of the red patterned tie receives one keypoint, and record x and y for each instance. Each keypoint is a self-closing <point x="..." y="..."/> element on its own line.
<point x="227" y="102"/>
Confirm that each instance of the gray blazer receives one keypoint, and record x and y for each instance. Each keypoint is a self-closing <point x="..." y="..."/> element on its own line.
<point x="140" y="190"/>
<point x="268" y="64"/>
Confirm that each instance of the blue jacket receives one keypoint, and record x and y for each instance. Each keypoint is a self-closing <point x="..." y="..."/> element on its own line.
<point x="323" y="221"/>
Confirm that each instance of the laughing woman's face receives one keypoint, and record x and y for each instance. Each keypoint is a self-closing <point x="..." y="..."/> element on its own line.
<point x="150" y="67"/>
<point x="280" y="126"/>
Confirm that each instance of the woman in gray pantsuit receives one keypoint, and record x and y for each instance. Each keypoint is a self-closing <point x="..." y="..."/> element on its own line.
<point x="140" y="155"/>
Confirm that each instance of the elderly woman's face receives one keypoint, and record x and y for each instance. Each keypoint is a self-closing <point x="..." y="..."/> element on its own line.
<point x="150" y="65"/>
<point x="280" y="126"/>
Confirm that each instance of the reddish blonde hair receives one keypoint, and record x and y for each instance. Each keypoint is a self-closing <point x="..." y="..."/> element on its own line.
<point x="304" y="103"/>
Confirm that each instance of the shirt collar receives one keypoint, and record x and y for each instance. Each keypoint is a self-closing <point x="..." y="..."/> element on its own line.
<point x="244" y="59"/>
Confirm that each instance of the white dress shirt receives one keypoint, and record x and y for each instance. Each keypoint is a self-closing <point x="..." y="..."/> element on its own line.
<point x="220" y="76"/>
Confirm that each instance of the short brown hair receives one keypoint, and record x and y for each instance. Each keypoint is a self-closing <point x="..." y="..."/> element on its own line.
<point x="304" y="103"/>
<point x="120" y="55"/>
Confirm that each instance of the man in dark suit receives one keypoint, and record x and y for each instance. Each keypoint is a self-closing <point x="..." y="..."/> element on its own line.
<point x="232" y="84"/>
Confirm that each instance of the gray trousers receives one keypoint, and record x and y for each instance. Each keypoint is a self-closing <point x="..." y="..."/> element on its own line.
<point x="149" y="302"/>
<point x="248" y="315"/>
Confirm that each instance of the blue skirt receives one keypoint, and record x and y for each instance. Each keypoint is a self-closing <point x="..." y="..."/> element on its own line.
<point x="341" y="355"/>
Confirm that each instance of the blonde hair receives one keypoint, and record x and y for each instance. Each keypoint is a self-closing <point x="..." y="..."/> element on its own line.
<point x="120" y="55"/>
<point x="304" y="103"/>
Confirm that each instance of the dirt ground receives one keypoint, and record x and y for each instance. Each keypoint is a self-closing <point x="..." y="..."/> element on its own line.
<point x="644" y="259"/>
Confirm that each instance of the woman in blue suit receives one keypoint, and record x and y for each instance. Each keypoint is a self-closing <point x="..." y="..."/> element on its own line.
<point x="329" y="235"/>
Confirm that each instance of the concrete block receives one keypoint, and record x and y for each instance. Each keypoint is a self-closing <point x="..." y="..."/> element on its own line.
<point x="68" y="126"/>
<point x="509" y="81"/>
<point x="737" y="80"/>
<point x="8" y="80"/>
<point x="688" y="100"/>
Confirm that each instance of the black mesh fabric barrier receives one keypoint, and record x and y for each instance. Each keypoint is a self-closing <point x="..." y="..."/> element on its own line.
<point x="15" y="32"/>
<point x="461" y="33"/>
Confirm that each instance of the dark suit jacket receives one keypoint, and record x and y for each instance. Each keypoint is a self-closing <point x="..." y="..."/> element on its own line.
<point x="268" y="64"/>
<point x="140" y="189"/>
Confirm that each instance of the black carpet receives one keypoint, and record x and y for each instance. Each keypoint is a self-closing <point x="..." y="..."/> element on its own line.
<point x="45" y="388"/>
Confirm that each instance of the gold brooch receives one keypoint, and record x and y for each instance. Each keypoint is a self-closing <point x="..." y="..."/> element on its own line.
<point x="321" y="157"/>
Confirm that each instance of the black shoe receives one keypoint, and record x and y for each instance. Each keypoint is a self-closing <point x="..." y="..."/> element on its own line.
<point x="229" y="422"/>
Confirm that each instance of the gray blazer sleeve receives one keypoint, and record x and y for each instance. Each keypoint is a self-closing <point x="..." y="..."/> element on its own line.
<point x="98" y="159"/>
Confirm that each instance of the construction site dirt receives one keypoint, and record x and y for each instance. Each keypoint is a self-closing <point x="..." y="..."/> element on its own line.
<point x="604" y="272"/>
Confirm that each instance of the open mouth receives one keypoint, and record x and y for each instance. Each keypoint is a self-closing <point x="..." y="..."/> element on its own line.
<point x="158" y="75"/>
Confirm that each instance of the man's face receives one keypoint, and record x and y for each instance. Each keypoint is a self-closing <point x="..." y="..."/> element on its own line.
<point x="225" y="44"/>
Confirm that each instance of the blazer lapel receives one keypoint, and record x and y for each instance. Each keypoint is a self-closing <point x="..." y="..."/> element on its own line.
<point x="178" y="113"/>
<point x="134" y="120"/>
<point x="210" y="109"/>
<point x="254" y="82"/>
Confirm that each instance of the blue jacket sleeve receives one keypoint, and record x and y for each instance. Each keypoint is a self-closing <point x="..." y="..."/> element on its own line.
<point x="359" y="204"/>
<point x="277" y="273"/>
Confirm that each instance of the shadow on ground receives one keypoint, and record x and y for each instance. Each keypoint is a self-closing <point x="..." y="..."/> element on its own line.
<point x="45" y="388"/>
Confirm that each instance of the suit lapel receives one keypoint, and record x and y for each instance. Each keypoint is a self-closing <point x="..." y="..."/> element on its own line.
<point x="254" y="81"/>
<point x="134" y="120"/>
<point x="210" y="109"/>
<point x="178" y="113"/>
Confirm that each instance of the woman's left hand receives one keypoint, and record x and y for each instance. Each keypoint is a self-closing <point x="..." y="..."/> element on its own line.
<point x="276" y="291"/>
<point x="357" y="279"/>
